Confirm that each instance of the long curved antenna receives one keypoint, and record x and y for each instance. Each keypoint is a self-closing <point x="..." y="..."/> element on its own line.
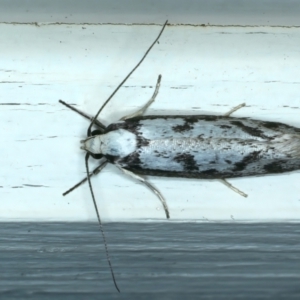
<point x="99" y="220"/>
<point x="124" y="80"/>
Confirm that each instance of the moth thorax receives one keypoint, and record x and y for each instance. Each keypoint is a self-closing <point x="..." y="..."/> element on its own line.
<point x="118" y="143"/>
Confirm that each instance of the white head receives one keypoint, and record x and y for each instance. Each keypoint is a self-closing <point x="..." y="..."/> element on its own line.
<point x="119" y="143"/>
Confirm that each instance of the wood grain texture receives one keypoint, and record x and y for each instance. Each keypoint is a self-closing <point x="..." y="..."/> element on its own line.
<point x="216" y="12"/>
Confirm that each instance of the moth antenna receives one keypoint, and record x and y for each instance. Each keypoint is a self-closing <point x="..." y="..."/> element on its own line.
<point x="88" y="155"/>
<point x="99" y="220"/>
<point x="124" y="80"/>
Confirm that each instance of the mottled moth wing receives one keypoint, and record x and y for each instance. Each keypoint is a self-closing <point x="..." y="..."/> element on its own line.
<point x="205" y="146"/>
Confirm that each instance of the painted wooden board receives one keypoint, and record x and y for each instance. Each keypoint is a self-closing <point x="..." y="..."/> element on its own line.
<point x="213" y="12"/>
<point x="204" y="70"/>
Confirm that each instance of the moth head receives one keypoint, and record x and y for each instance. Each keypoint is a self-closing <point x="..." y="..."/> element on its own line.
<point x="115" y="143"/>
<point x="92" y="144"/>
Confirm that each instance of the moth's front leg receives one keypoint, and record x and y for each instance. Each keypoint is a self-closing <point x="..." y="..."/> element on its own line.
<point x="96" y="122"/>
<point x="234" y="109"/>
<point x="141" y="111"/>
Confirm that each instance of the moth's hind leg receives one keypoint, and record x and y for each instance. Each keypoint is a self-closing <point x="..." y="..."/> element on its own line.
<point x="141" y="111"/>
<point x="224" y="181"/>
<point x="234" y="109"/>
<point x="150" y="186"/>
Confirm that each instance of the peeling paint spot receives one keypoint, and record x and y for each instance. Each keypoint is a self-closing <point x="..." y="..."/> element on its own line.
<point x="29" y="104"/>
<point x="12" y="81"/>
<point x="258" y="32"/>
<point x="34" y="166"/>
<point x="10" y="103"/>
<point x="135" y="86"/>
<point x="40" y="84"/>
<point x="182" y="87"/>
<point x="283" y="82"/>
<point x="35" y="185"/>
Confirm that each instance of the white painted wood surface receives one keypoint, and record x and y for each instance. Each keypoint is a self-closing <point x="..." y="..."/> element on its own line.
<point x="205" y="70"/>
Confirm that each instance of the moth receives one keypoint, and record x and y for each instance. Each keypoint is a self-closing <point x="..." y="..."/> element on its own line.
<point x="188" y="146"/>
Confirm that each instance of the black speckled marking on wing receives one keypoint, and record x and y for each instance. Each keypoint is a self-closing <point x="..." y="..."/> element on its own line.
<point x="188" y="125"/>
<point x="133" y="123"/>
<point x="276" y="167"/>
<point x="225" y="126"/>
<point x="271" y="125"/>
<point x="211" y="118"/>
<point x="251" y="165"/>
<point x="211" y="173"/>
<point x="181" y="128"/>
<point x="142" y="142"/>
<point x="250" y="130"/>
<point x="187" y="161"/>
<point x="281" y="127"/>
<point x="250" y="158"/>
<point x="130" y="126"/>
<point x="132" y="160"/>
<point x="133" y="164"/>
<point x="190" y="118"/>
<point x="207" y="174"/>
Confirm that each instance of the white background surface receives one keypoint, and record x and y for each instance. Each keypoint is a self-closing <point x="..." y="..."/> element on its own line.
<point x="205" y="70"/>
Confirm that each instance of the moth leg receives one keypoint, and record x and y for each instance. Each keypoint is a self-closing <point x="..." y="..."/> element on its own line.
<point x="234" y="109"/>
<point x="150" y="186"/>
<point x="224" y="181"/>
<point x="96" y="122"/>
<point x="141" y="111"/>
<point x="94" y="172"/>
